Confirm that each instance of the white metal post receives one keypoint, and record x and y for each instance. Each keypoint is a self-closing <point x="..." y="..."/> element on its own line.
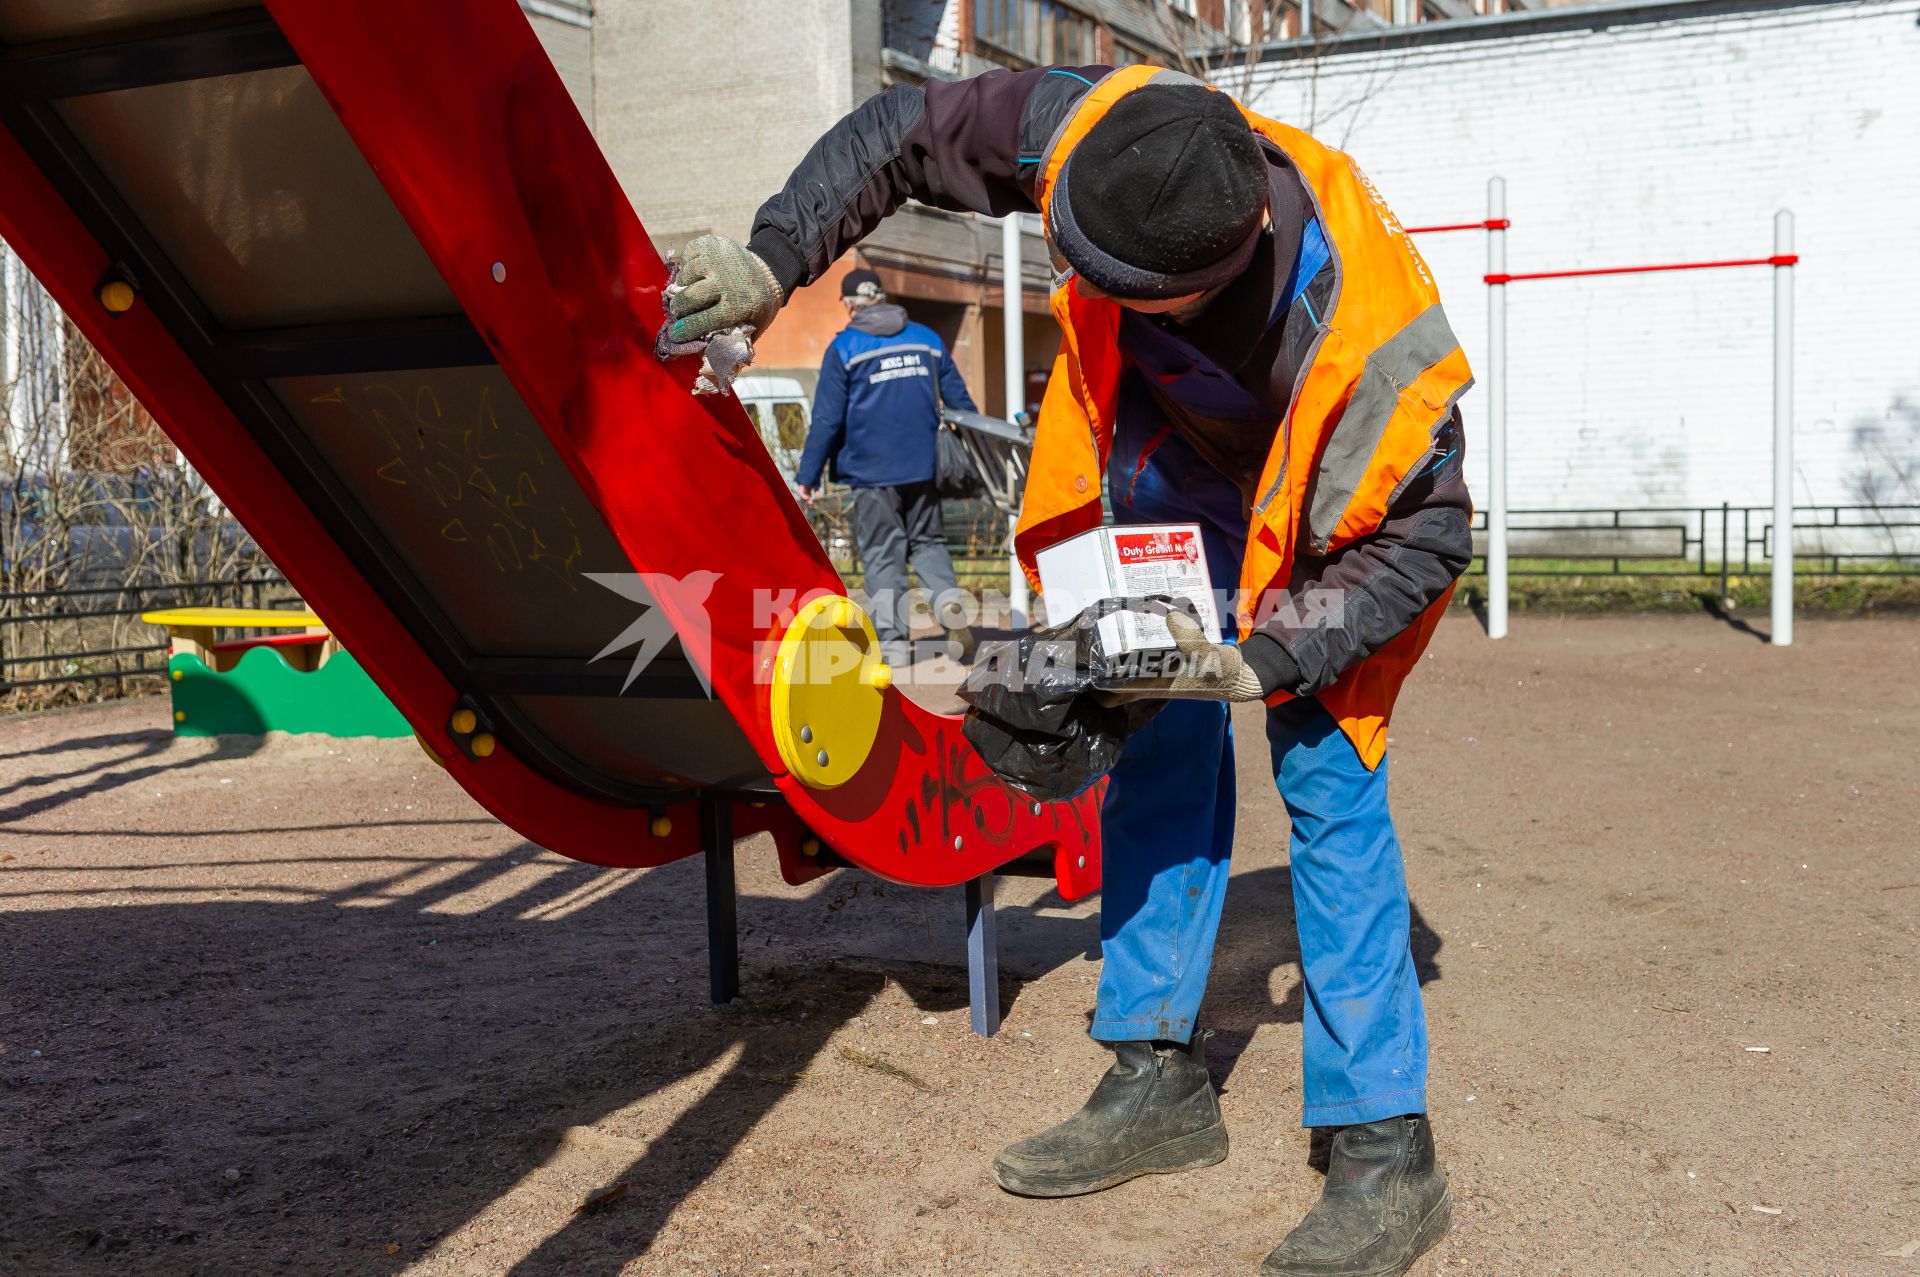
<point x="1782" y="430"/>
<point x="1496" y="413"/>
<point x="1013" y="326"/>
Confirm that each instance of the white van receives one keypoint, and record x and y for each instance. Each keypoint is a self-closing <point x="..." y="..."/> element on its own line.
<point x="780" y="411"/>
<point x="778" y="408"/>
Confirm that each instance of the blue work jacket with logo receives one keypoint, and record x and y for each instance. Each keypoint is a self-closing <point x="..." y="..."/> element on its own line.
<point x="878" y="402"/>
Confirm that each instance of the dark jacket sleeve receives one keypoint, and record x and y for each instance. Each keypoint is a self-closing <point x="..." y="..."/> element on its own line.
<point x="1349" y="604"/>
<point x="953" y="387"/>
<point x="969" y="145"/>
<point x="829" y="425"/>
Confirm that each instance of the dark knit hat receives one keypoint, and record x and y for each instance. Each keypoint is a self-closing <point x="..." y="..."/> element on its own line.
<point x="1163" y="196"/>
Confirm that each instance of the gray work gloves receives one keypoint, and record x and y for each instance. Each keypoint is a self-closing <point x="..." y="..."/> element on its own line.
<point x="720" y="285"/>
<point x="1194" y="670"/>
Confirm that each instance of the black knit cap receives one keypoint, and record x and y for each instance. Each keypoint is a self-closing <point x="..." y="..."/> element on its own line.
<point x="1163" y="196"/>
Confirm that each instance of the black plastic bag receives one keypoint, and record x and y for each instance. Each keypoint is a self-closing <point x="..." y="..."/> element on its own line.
<point x="1034" y="715"/>
<point x="953" y="474"/>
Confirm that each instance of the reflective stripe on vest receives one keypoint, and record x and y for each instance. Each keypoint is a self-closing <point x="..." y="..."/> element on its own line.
<point x="1348" y="454"/>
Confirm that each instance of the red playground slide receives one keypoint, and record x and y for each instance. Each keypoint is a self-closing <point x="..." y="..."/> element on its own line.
<point x="366" y="264"/>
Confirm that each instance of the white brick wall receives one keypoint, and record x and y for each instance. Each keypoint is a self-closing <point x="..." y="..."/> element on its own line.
<point x="1665" y="142"/>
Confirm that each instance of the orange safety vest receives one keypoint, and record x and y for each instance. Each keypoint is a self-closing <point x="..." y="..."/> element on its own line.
<point x="1383" y="374"/>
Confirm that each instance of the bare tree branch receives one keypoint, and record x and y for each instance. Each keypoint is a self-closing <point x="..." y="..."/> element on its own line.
<point x="94" y="502"/>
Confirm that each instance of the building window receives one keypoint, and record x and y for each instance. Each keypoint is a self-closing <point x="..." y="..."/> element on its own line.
<point x="1239" y="21"/>
<point x="1036" y="32"/>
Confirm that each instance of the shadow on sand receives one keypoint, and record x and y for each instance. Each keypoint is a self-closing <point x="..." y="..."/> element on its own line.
<point x="380" y="1061"/>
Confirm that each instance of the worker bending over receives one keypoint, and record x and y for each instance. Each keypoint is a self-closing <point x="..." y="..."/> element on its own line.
<point x="1251" y="344"/>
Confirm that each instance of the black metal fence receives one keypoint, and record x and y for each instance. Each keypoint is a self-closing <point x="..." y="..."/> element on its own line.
<point x="1650" y="541"/>
<point x="91" y="635"/>
<point x="1724" y="540"/>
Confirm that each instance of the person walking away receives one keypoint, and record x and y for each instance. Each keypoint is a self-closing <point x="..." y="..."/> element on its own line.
<point x="875" y="413"/>
<point x="1253" y="344"/>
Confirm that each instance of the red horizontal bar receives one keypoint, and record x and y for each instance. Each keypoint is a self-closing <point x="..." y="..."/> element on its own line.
<point x="1490" y="224"/>
<point x="270" y="640"/>
<point x="1781" y="259"/>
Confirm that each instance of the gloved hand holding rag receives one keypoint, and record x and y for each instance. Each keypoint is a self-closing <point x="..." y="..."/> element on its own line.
<point x="719" y="296"/>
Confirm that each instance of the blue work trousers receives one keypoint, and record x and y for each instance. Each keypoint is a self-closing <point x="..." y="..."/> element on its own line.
<point x="1168" y="837"/>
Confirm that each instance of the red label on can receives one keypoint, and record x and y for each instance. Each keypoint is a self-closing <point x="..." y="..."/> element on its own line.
<point x="1157" y="547"/>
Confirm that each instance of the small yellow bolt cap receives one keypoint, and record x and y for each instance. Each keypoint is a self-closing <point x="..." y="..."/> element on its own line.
<point x="660" y="826"/>
<point x="179" y="716"/>
<point x="178" y="675"/>
<point x="811" y="847"/>
<point x="464" y="721"/>
<point x="482" y="745"/>
<point x="117" y="296"/>
<point x="879" y="676"/>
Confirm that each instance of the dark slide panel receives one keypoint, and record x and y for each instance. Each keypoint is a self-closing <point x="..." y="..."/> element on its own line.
<point x="459" y="477"/>
<point x="259" y="198"/>
<point x="25" y="21"/>
<point x="464" y="484"/>
<point x="249" y="206"/>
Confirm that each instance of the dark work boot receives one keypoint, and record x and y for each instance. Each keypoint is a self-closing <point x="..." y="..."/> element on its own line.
<point x="1384" y="1206"/>
<point x="1153" y="1112"/>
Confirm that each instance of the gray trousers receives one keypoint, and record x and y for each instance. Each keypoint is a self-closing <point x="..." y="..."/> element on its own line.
<point x="893" y="527"/>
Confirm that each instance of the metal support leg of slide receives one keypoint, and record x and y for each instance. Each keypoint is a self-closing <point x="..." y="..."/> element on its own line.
<point x="983" y="957"/>
<point x="723" y="929"/>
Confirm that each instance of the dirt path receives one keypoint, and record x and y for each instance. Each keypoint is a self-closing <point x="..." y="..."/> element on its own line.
<point x="305" y="1009"/>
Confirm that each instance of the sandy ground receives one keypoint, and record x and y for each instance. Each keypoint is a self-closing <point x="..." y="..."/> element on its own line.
<point x="301" y="1007"/>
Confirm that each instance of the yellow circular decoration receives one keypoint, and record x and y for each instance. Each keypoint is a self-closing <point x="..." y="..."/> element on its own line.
<point x="117" y="296"/>
<point x="660" y="826"/>
<point x="178" y="675"/>
<point x="829" y="685"/>
<point x="481" y="745"/>
<point x="464" y="721"/>
<point x="179" y="716"/>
